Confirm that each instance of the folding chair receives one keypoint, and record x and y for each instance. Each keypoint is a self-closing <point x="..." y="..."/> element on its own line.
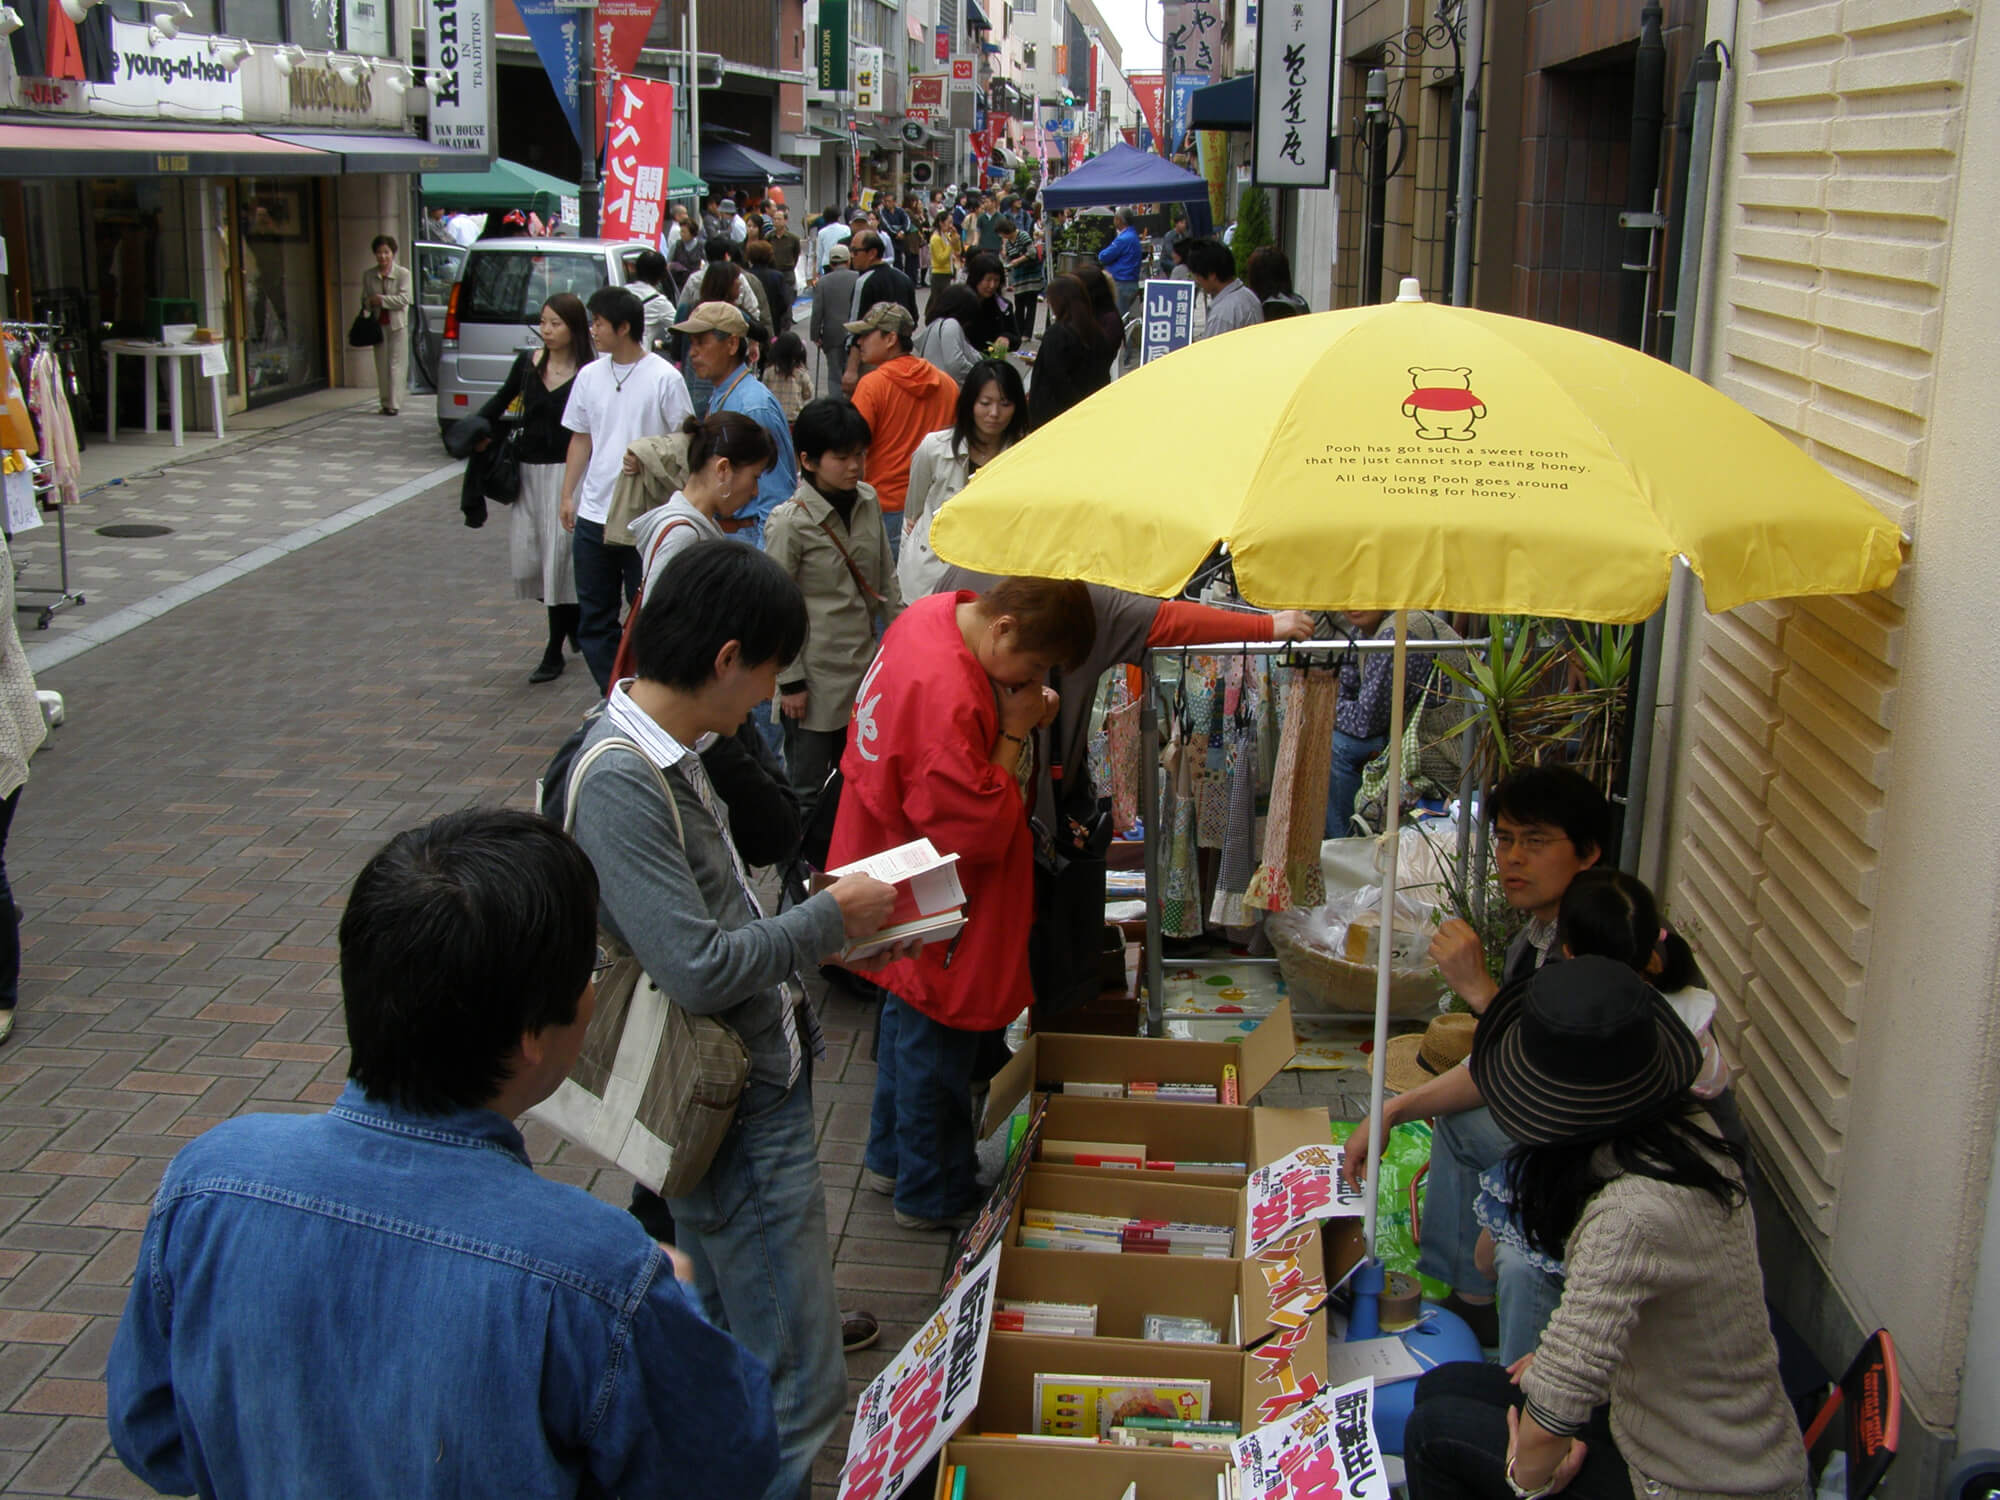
<point x="1869" y="1399"/>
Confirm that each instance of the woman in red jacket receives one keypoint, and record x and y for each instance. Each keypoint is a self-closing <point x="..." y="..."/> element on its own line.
<point x="939" y="750"/>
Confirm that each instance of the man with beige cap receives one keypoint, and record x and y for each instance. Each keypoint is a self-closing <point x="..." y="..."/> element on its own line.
<point x="904" y="398"/>
<point x="718" y="351"/>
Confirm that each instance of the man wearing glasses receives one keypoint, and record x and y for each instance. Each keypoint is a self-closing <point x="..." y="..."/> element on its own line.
<point x="1549" y="824"/>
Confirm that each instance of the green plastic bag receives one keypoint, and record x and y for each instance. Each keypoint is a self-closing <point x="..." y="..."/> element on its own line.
<point x="1406" y="1153"/>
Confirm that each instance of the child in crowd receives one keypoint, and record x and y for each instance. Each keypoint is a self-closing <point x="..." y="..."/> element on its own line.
<point x="786" y="376"/>
<point x="829" y="538"/>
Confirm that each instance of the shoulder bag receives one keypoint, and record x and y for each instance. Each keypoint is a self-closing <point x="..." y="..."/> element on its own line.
<point x="654" y="1089"/>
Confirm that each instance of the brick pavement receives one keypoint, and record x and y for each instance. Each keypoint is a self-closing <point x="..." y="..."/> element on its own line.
<point x="182" y="851"/>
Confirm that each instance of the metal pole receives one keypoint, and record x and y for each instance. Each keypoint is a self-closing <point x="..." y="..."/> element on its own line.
<point x="1376" y="111"/>
<point x="1392" y="816"/>
<point x="694" y="91"/>
<point x="1468" y="154"/>
<point x="1149" y="815"/>
<point x="587" y="112"/>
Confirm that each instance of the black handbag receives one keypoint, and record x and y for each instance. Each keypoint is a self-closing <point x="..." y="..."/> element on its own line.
<point x="365" y="332"/>
<point x="502" y="482"/>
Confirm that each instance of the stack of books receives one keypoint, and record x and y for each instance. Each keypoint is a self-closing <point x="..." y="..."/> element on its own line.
<point x="1173" y="1432"/>
<point x="1129" y="1155"/>
<point x="1160" y="1093"/>
<point x="1054" y="1229"/>
<point x="1090" y="1406"/>
<point x="1071" y="1319"/>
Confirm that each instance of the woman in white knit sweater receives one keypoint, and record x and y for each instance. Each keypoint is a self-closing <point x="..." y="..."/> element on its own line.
<point x="1657" y="1375"/>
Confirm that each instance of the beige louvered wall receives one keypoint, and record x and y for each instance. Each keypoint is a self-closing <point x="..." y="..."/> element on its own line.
<point x="1846" y="140"/>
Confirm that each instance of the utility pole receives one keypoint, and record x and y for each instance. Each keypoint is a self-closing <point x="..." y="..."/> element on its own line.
<point x="587" y="113"/>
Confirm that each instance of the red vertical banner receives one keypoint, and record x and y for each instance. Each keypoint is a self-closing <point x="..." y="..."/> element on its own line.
<point x="638" y="157"/>
<point x="943" y="44"/>
<point x="1091" y="102"/>
<point x="1147" y="88"/>
<point x="619" y="28"/>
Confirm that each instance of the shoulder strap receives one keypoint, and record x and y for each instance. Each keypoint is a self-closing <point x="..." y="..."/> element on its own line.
<point x="847" y="557"/>
<point x="665" y="531"/>
<point x="590" y="757"/>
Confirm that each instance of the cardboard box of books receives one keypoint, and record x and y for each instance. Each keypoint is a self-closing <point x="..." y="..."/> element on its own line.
<point x="1002" y="1469"/>
<point x="1152" y="1070"/>
<point x="1149" y="1247"/>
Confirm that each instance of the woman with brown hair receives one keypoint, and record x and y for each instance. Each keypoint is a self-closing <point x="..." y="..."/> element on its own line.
<point x="1071" y="362"/>
<point x="531" y="401"/>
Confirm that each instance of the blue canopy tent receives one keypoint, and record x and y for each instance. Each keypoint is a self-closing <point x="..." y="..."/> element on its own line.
<point x="731" y="162"/>
<point x="1123" y="175"/>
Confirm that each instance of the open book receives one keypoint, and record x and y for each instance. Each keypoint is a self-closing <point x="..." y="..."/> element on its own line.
<point x="930" y="903"/>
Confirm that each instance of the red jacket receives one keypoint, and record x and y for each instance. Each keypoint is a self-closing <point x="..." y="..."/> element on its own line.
<point x="918" y="765"/>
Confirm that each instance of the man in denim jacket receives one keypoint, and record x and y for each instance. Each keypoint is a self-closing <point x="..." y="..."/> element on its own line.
<point x="386" y="1300"/>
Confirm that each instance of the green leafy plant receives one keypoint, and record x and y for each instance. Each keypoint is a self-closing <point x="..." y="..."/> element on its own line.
<point x="1486" y="911"/>
<point x="1083" y="235"/>
<point x="1253" y="226"/>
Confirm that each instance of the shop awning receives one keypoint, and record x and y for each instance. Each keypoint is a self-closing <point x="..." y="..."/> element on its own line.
<point x="682" y="183"/>
<point x="1225" y="106"/>
<point x="503" y="185"/>
<point x="88" y="151"/>
<point x="383" y="153"/>
<point x="732" y="162"/>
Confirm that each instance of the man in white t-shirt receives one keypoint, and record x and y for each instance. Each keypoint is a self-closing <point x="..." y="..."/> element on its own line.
<point x="614" y="403"/>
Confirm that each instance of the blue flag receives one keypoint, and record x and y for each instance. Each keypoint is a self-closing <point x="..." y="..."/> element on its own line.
<point x="558" y="33"/>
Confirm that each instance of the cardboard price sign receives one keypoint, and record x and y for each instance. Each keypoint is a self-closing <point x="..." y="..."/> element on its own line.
<point x="637" y="158"/>
<point x="1298" y="1189"/>
<point x="928" y="1390"/>
<point x="1327" y="1451"/>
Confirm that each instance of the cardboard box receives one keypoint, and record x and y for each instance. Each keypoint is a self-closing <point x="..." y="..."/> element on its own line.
<point x="1058" y="1057"/>
<point x="997" y="1469"/>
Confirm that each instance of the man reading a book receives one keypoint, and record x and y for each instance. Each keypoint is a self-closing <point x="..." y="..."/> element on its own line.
<point x="385" y="1299"/>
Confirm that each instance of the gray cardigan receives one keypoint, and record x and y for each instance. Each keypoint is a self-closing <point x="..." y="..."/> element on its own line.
<point x="683" y="914"/>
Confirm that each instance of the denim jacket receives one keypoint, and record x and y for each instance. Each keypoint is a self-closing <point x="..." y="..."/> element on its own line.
<point x="375" y="1303"/>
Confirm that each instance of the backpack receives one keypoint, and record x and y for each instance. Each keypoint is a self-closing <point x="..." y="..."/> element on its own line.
<point x="552" y="786"/>
<point x="1285" y="305"/>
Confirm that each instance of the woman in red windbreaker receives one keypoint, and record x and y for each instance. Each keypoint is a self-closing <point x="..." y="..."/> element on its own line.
<point x="938" y="749"/>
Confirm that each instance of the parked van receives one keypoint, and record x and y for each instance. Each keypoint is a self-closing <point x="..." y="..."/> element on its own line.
<point x="497" y="305"/>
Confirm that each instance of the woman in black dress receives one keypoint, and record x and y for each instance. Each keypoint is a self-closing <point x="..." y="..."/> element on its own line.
<point x="535" y="393"/>
<point x="1071" y="362"/>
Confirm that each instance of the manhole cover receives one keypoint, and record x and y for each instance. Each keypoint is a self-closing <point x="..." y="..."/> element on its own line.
<point x="134" y="529"/>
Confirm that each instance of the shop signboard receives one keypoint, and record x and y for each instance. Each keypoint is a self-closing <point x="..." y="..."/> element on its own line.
<point x="1194" y="38"/>
<point x="961" y="75"/>
<point x="1326" y="1448"/>
<point x="48" y="45"/>
<point x="832" y="37"/>
<point x="868" y="91"/>
<point x="638" y="155"/>
<point x="1167" y="318"/>
<point x="1180" y="107"/>
<point x="557" y="34"/>
<point x="926" y="92"/>
<point x="458" y="46"/>
<point x="943" y="49"/>
<point x="1294" y="114"/>
<point x="173" y="78"/>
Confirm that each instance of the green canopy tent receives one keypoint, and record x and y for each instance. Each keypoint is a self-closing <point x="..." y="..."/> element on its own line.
<point x="508" y="184"/>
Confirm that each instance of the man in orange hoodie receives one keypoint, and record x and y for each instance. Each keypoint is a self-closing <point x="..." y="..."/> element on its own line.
<point x="904" y="398"/>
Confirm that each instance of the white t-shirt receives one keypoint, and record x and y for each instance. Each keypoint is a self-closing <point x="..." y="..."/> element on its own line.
<point x="617" y="405"/>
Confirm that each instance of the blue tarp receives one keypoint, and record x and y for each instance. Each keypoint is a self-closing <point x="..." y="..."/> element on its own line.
<point x="1124" y="175"/>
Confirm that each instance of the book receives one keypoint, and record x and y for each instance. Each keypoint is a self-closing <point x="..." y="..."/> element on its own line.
<point x="1091" y="1405"/>
<point x="930" y="902"/>
<point x="1175" y="1330"/>
<point x="1068" y="1319"/>
<point x="1051" y="1229"/>
<point x="1095" y="1153"/>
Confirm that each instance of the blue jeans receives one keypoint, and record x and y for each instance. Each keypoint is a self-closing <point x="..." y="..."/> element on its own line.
<point x="892" y="524"/>
<point x="768" y="726"/>
<point x="1343" y="781"/>
<point x="1528" y="1298"/>
<point x="920" y="1128"/>
<point x="1462" y="1146"/>
<point x="607" y="576"/>
<point x="755" y="1228"/>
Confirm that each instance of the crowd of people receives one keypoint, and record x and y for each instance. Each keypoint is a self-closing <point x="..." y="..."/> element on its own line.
<point x="742" y="558"/>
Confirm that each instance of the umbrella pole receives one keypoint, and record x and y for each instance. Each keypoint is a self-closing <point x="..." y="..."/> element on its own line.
<point x="1392" y="813"/>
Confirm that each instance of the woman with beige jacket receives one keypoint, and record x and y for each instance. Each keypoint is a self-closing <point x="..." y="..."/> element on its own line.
<point x="385" y="295"/>
<point x="21" y="732"/>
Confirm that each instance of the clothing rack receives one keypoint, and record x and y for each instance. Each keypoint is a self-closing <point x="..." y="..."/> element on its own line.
<point x="61" y="597"/>
<point x="1149" y="782"/>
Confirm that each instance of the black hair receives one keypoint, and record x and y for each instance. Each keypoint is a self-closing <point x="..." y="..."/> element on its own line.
<point x="829" y="424"/>
<point x="727" y="434"/>
<point x="719" y="283"/>
<point x="384" y="239"/>
<point x="649" y="266"/>
<point x="1613" y="915"/>
<point x="1268" y="272"/>
<point x="716" y="248"/>
<point x="982" y="264"/>
<point x="709" y="595"/>
<point x="865" y="239"/>
<point x="956" y="301"/>
<point x="1069" y="303"/>
<point x="1550" y="1185"/>
<point x="569" y="307"/>
<point x="990" y="372"/>
<point x="786" y="354"/>
<point x="619" y="308"/>
<point x="459" y="938"/>
<point x="1007" y="224"/>
<point x="1210" y="257"/>
<point x="1557" y="797"/>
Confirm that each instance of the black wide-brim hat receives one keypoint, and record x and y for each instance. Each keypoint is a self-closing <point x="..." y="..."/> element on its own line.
<point x="1583" y="1050"/>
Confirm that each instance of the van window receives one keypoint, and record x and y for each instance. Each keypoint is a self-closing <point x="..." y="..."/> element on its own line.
<point x="510" y="286"/>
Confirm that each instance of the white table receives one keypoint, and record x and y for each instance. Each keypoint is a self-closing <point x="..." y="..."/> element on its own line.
<point x="214" y="367"/>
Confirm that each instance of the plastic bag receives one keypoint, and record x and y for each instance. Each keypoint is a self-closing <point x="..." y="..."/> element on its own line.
<point x="1410" y="935"/>
<point x="1406" y="1153"/>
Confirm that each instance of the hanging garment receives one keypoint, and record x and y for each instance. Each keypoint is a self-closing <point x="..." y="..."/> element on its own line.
<point x="1290" y="873"/>
<point x="1206" y="753"/>
<point x="1239" y="844"/>
<point x="1121" y="754"/>
<point x="51" y="412"/>
<point x="17" y="429"/>
<point x="1180" y="898"/>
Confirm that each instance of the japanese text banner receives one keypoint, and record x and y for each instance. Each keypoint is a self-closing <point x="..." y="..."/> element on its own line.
<point x="638" y="153"/>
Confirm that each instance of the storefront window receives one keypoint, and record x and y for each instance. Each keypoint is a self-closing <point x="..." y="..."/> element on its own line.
<point x="284" y="329"/>
<point x="314" y="23"/>
<point x="254" y="20"/>
<point x="141" y="14"/>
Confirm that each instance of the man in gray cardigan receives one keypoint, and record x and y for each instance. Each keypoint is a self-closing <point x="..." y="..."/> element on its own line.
<point x="710" y="643"/>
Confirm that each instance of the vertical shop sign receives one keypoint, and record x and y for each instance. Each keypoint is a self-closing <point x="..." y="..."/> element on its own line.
<point x="1146" y="89"/>
<point x="1180" y="106"/>
<point x="833" y="44"/>
<point x="456" y="43"/>
<point x="943" y="53"/>
<point x="558" y="39"/>
<point x="1294" y="116"/>
<point x="1167" y="319"/>
<point x="638" y="157"/>
<point x="1194" y="36"/>
<point x="868" y="78"/>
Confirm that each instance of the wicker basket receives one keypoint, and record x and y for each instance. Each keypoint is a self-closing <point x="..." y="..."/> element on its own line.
<point x="1320" y="981"/>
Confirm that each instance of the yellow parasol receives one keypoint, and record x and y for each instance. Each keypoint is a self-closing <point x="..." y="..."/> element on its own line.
<point x="1417" y="456"/>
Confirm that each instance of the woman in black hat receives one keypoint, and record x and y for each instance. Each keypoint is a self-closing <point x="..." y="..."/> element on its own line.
<point x="1657" y="1373"/>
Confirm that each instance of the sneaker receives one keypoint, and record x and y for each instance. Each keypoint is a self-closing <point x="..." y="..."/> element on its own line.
<point x="875" y="1182"/>
<point x="858" y="1330"/>
<point x="955" y="1223"/>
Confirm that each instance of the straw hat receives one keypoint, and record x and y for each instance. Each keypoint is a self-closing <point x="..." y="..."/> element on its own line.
<point x="1580" y="1052"/>
<point x="1415" y="1060"/>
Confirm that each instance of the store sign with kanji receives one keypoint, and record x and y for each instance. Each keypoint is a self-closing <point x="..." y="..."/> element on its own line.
<point x="1294" y="115"/>
<point x="907" y="1412"/>
<point x="1298" y="1189"/>
<point x="1194" y="36"/>
<point x="637" y="157"/>
<point x="1324" y="1451"/>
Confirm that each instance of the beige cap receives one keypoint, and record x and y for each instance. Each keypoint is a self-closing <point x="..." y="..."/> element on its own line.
<point x="890" y="317"/>
<point x="716" y="317"/>
<point x="1414" y="1060"/>
<point x="839" y="255"/>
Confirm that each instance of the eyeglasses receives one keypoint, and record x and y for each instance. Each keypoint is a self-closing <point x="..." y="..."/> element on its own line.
<point x="1527" y="843"/>
<point x="603" y="965"/>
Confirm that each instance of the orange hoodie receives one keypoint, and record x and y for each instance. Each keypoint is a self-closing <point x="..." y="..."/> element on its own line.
<point x="904" y="401"/>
